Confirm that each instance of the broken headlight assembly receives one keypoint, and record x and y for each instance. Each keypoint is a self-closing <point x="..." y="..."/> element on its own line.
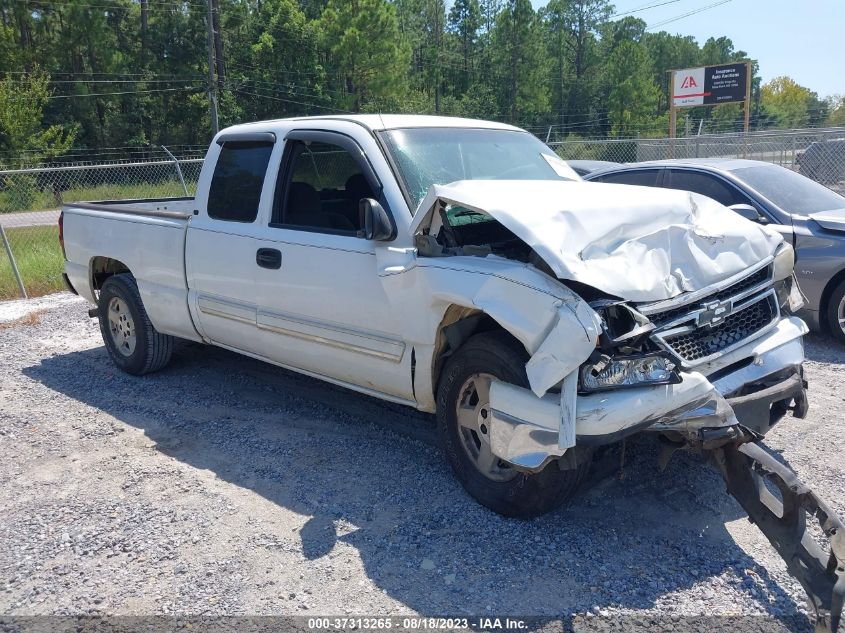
<point x="789" y="294"/>
<point x="603" y="372"/>
<point x="784" y="262"/>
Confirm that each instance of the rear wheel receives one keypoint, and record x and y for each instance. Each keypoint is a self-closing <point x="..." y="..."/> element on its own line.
<point x="836" y="312"/>
<point x="463" y="414"/>
<point x="134" y="345"/>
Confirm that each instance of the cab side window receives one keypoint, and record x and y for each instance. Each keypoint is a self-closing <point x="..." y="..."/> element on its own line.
<point x="326" y="184"/>
<point x="641" y="177"/>
<point x="235" y="188"/>
<point x="706" y="185"/>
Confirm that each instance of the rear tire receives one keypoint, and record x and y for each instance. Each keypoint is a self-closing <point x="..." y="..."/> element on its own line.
<point x="134" y="345"/>
<point x="836" y="312"/>
<point x="489" y="480"/>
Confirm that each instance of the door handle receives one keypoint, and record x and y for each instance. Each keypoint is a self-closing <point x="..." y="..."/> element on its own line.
<point x="269" y="258"/>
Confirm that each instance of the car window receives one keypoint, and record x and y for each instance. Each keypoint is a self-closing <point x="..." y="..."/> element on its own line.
<point x="707" y="185"/>
<point x="641" y="177"/>
<point x="788" y="190"/>
<point x="238" y="178"/>
<point x="325" y="187"/>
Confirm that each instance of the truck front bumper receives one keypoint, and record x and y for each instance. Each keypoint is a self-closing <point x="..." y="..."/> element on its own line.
<point x="752" y="386"/>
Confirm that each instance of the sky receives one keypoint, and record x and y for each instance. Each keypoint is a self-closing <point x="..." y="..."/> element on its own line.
<point x="804" y="39"/>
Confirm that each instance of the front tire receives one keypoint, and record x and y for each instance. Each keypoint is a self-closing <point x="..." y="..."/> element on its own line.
<point x="134" y="345"/>
<point x="462" y="408"/>
<point x="836" y="312"/>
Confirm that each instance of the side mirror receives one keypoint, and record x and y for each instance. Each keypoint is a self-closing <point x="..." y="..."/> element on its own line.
<point x="375" y="223"/>
<point x="749" y="213"/>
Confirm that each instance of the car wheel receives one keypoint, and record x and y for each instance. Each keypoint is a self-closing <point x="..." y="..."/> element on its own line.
<point x="462" y="414"/>
<point x="134" y="345"/>
<point x="836" y="312"/>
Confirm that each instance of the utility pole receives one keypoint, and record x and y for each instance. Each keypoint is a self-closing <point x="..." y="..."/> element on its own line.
<point x="218" y="44"/>
<point x="212" y="88"/>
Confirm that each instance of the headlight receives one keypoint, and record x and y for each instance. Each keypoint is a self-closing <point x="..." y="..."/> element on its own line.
<point x="784" y="262"/>
<point x="632" y="371"/>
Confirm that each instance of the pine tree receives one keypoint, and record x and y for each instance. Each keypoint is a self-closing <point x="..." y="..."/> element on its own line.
<point x="363" y="44"/>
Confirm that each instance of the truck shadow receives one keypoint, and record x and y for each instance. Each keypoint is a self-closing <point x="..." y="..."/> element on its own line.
<point x="368" y="474"/>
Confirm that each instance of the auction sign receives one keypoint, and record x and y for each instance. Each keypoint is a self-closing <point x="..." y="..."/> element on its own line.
<point x="710" y="85"/>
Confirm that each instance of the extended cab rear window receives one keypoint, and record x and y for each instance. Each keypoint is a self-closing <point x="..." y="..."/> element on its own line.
<point x="238" y="178"/>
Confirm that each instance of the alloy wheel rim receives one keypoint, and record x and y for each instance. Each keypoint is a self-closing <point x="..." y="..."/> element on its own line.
<point x="840" y="314"/>
<point x="121" y="326"/>
<point x="473" y="416"/>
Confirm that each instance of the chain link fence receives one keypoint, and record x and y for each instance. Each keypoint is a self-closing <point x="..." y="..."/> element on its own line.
<point x="30" y="198"/>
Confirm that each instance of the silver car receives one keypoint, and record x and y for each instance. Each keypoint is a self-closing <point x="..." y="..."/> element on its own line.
<point x="810" y="216"/>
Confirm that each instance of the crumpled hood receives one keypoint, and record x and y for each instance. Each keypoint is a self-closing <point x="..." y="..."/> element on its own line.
<point x="642" y="244"/>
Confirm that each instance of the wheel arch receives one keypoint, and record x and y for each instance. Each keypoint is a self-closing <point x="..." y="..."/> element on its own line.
<point x="458" y="324"/>
<point x="831" y="285"/>
<point x="101" y="268"/>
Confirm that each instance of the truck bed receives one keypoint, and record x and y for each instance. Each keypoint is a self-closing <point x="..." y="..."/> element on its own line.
<point x="145" y="236"/>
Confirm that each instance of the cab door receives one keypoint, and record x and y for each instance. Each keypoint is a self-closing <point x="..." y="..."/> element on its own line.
<point x="323" y="309"/>
<point x="221" y="249"/>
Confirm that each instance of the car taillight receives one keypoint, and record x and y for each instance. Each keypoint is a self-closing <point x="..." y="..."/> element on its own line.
<point x="62" y="233"/>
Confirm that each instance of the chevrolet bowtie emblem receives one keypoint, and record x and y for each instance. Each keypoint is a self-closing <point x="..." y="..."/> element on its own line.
<point x="714" y="313"/>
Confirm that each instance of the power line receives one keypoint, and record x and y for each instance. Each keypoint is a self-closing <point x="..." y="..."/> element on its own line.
<point x="164" y="3"/>
<point x="127" y="92"/>
<point x="643" y="8"/>
<point x="302" y="103"/>
<point x="110" y="81"/>
<point x="40" y="4"/>
<point x="688" y="14"/>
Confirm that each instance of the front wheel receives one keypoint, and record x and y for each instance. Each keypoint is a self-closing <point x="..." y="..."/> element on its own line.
<point x="463" y="411"/>
<point x="134" y="345"/>
<point x="836" y="312"/>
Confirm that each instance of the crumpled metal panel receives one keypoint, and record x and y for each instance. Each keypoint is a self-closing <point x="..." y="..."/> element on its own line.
<point x="639" y="243"/>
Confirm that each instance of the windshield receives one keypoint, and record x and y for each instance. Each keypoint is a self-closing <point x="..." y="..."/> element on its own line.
<point x="427" y="156"/>
<point x="790" y="191"/>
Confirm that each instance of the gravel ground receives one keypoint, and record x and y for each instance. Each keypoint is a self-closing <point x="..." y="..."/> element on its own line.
<point x="223" y="485"/>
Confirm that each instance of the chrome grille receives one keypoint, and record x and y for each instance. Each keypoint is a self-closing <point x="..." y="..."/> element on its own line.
<point x="703" y="342"/>
<point x="755" y="279"/>
<point x="707" y="326"/>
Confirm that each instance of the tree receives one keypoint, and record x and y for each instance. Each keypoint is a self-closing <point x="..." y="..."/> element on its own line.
<point x="571" y="29"/>
<point x="281" y="66"/>
<point x="788" y="101"/>
<point x="633" y="94"/>
<point x="836" y="110"/>
<point x="363" y="44"/>
<point x="22" y="102"/>
<point x="719" y="51"/>
<point x="464" y="24"/>
<point x="521" y="63"/>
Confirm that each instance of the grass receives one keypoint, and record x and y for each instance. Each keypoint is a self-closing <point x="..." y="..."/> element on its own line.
<point x="24" y="196"/>
<point x="39" y="258"/>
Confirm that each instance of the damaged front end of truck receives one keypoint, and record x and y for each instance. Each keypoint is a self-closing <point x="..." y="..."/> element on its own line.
<point x="642" y="311"/>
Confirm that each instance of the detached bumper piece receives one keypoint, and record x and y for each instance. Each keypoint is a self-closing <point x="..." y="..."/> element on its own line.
<point x="786" y="524"/>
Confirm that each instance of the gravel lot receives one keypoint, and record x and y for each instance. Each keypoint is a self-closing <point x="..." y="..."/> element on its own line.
<point x="223" y="485"/>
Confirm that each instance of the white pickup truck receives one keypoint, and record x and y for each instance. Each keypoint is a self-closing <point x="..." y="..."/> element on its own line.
<point x="461" y="268"/>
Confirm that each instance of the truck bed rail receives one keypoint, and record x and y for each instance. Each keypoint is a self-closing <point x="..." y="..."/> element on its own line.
<point x="119" y="207"/>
